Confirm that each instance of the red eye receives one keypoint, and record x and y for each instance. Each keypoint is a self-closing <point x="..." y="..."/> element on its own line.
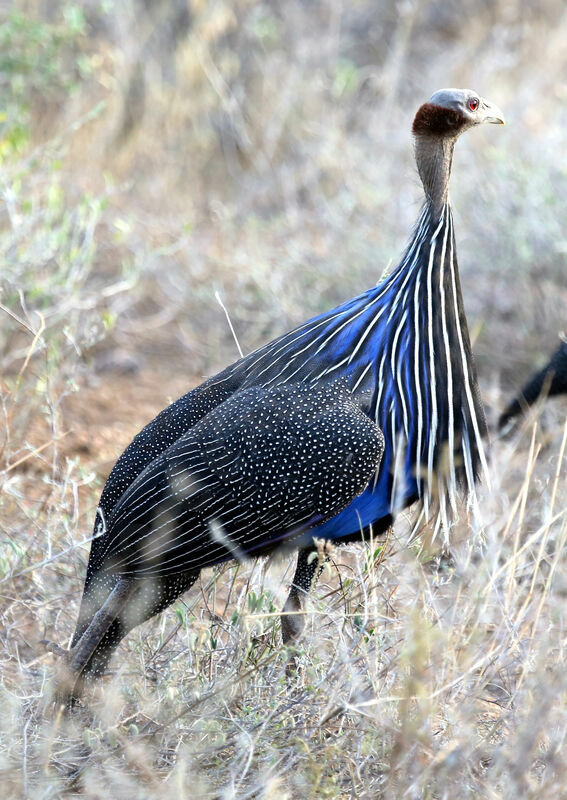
<point x="473" y="104"/>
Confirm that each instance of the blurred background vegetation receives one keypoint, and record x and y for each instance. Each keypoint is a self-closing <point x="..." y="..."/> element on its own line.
<point x="153" y="153"/>
<point x="157" y="156"/>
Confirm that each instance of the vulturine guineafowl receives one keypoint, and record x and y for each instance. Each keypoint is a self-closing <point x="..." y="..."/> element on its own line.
<point x="551" y="380"/>
<point x="273" y="448"/>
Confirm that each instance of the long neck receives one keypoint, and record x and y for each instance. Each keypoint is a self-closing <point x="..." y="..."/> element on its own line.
<point x="434" y="156"/>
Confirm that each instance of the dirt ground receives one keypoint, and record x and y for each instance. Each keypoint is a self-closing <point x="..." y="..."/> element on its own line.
<point x="110" y="408"/>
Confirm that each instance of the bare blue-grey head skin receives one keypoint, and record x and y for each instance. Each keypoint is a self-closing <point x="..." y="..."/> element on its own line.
<point x="436" y="127"/>
<point x="472" y="107"/>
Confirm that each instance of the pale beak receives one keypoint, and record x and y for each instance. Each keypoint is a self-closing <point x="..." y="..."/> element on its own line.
<point x="492" y="113"/>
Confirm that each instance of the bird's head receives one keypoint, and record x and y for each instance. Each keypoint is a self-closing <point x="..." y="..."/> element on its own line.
<point x="449" y="112"/>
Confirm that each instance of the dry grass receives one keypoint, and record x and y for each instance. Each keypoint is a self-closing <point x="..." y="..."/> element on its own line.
<point x="265" y="155"/>
<point x="421" y="674"/>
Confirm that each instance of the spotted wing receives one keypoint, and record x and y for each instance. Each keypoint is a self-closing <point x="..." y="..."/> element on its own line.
<point x="260" y="468"/>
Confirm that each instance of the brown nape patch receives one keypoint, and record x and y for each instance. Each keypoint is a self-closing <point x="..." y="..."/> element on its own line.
<point x="433" y="120"/>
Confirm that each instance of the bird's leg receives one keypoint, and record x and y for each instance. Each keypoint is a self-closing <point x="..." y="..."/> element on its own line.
<point x="309" y="564"/>
<point x="76" y="658"/>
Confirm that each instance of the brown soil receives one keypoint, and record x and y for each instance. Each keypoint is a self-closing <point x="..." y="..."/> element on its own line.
<point x="94" y="424"/>
<point x="106" y="413"/>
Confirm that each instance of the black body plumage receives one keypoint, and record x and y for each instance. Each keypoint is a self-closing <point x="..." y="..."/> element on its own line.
<point x="552" y="379"/>
<point x="261" y="468"/>
<point x="201" y="483"/>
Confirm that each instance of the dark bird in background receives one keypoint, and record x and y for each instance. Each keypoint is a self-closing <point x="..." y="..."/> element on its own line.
<point x="286" y="444"/>
<point x="549" y="381"/>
